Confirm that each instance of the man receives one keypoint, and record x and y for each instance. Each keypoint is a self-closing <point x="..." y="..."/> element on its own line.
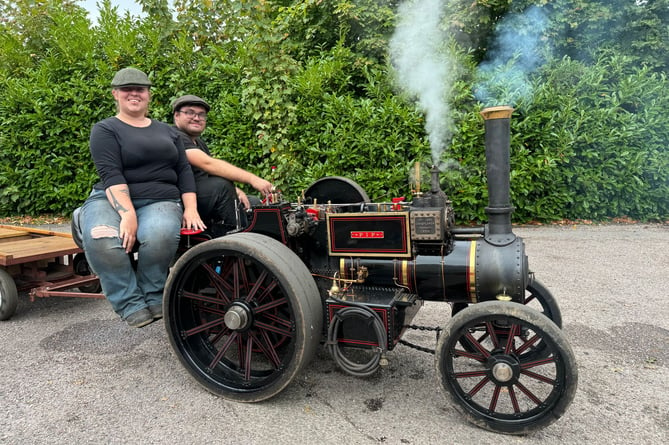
<point x="216" y="193"/>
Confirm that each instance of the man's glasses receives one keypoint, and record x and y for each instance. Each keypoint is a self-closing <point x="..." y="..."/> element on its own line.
<point x="191" y="114"/>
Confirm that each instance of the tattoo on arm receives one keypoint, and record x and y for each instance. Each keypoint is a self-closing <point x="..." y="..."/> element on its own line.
<point x="117" y="205"/>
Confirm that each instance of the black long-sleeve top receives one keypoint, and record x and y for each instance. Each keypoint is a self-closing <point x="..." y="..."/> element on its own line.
<point x="198" y="143"/>
<point x="150" y="160"/>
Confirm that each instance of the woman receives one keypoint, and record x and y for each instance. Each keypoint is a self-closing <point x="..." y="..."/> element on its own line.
<point x="144" y="179"/>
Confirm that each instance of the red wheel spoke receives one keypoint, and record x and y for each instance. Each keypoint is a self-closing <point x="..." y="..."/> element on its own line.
<point x="204" y="298"/>
<point x="478" y="387"/>
<point x="515" y="329"/>
<point x="204" y="327"/>
<point x="483" y="336"/>
<point x="271" y="305"/>
<point x="275" y="329"/>
<point x="216" y="311"/>
<point x="528" y="343"/>
<point x="536" y="363"/>
<point x="494" y="398"/>
<point x="266" y="347"/>
<point x="216" y="338"/>
<point x="256" y="286"/>
<point x="237" y="277"/>
<point x="528" y="393"/>
<point x="240" y="353"/>
<point x="220" y="284"/>
<point x="248" y="354"/>
<point x="477" y="345"/>
<point x="243" y="275"/>
<point x="514" y="400"/>
<point x="493" y="335"/>
<point x="267" y="291"/>
<point x="472" y="355"/>
<point x="278" y="320"/>
<point x="224" y="348"/>
<point x="467" y="374"/>
<point x="541" y="378"/>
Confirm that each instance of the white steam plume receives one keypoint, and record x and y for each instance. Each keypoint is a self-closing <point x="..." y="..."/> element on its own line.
<point x="517" y="51"/>
<point x="423" y="69"/>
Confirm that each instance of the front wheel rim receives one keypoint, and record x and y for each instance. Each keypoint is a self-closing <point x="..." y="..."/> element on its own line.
<point x="497" y="378"/>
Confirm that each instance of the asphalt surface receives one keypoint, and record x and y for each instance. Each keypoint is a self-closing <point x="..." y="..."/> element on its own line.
<point x="72" y="372"/>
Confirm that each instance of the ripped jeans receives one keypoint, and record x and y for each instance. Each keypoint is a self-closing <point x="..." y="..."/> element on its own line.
<point x="158" y="224"/>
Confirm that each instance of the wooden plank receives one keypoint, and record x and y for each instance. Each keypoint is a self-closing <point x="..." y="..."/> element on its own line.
<point x="41" y="248"/>
<point x="10" y="233"/>
<point x="36" y="231"/>
<point x="15" y="238"/>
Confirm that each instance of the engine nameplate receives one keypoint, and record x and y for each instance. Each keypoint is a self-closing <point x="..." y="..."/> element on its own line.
<point x="369" y="234"/>
<point x="427" y="225"/>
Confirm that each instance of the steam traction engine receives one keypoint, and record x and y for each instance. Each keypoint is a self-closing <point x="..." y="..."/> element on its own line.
<point x="245" y="312"/>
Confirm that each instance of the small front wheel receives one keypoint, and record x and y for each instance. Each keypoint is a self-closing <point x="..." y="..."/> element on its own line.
<point x="487" y="363"/>
<point x="537" y="296"/>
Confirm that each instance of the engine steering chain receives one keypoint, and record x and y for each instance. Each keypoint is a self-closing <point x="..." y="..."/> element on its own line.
<point x="421" y="328"/>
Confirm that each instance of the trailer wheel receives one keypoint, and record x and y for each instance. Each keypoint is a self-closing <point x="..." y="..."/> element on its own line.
<point x="503" y="385"/>
<point x="81" y="267"/>
<point x="9" y="296"/>
<point x="243" y="315"/>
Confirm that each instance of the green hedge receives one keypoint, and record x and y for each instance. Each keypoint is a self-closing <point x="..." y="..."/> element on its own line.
<point x="590" y="144"/>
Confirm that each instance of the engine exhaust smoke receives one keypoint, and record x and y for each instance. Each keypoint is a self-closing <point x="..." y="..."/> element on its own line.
<point x="423" y="67"/>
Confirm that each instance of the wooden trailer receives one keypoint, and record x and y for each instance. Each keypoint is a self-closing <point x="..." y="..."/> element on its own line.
<point x="45" y="264"/>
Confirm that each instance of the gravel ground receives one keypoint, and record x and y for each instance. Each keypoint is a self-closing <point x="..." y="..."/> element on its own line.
<point x="72" y="372"/>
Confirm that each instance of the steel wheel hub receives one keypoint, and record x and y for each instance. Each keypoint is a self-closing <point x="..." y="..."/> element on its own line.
<point x="503" y="369"/>
<point x="502" y="372"/>
<point x="238" y="317"/>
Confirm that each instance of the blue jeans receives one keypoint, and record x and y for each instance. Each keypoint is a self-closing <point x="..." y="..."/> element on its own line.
<point x="129" y="290"/>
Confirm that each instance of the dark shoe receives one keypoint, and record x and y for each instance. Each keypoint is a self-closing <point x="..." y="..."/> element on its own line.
<point x="139" y="319"/>
<point x="156" y="311"/>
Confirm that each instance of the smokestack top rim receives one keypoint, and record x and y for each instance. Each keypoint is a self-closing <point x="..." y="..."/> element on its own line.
<point x="499" y="112"/>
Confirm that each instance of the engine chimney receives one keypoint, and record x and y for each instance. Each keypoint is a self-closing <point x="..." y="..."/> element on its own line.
<point x="497" y="151"/>
<point x="437" y="196"/>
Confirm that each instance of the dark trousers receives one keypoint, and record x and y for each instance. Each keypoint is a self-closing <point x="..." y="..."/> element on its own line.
<point x="216" y="198"/>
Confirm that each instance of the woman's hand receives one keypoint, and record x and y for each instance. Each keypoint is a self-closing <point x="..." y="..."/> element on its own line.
<point x="119" y="197"/>
<point x="127" y="230"/>
<point x="192" y="220"/>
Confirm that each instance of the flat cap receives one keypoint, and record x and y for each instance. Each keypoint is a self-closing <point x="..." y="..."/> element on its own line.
<point x="130" y="77"/>
<point x="189" y="99"/>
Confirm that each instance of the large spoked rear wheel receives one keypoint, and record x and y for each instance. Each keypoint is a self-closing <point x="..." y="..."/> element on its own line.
<point x="503" y="385"/>
<point x="243" y="314"/>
